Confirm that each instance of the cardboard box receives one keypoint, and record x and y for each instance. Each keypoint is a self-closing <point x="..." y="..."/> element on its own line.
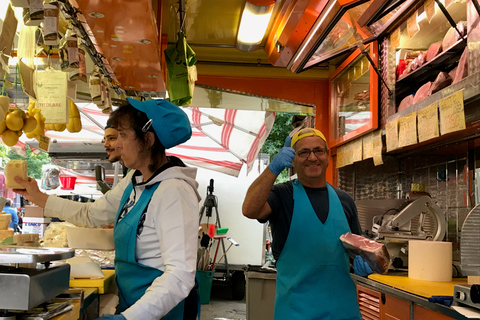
<point x="33" y="212"/>
<point x="35" y="225"/>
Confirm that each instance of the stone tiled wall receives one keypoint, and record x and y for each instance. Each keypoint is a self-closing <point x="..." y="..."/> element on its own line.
<point x="446" y="178"/>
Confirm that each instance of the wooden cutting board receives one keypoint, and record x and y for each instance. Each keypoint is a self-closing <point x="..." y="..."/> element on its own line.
<point x="419" y="287"/>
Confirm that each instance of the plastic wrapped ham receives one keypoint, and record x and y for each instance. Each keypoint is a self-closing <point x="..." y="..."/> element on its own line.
<point x="374" y="253"/>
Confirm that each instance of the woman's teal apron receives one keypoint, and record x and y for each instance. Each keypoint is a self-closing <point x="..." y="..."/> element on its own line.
<point x="134" y="278"/>
<point x="313" y="270"/>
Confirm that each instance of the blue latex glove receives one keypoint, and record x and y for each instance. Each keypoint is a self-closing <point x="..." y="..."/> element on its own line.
<point x="283" y="159"/>
<point x="111" y="317"/>
<point x="361" y="267"/>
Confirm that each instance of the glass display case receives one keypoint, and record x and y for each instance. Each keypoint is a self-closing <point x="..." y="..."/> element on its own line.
<point x="336" y="31"/>
<point x="354" y="97"/>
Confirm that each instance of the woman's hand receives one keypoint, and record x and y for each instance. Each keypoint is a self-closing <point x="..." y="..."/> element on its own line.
<point x="31" y="192"/>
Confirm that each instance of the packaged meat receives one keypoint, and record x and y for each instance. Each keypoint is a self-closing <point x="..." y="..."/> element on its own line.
<point x="422" y="92"/>
<point x="414" y="65"/>
<point x="421" y="59"/>
<point x="434" y="49"/>
<point x="374" y="253"/>
<point x="401" y="67"/>
<point x="406" y="102"/>
<point x="462" y="68"/>
<point x="443" y="80"/>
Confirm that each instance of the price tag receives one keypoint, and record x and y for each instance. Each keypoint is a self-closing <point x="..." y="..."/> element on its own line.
<point x="44" y="143"/>
<point x="452" y="116"/>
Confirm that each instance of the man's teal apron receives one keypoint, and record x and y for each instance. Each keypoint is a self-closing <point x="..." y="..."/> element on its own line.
<point x="313" y="270"/>
<point x="134" y="278"/>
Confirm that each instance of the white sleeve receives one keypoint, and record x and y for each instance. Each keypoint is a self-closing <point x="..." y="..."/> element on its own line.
<point x="93" y="214"/>
<point x="175" y="206"/>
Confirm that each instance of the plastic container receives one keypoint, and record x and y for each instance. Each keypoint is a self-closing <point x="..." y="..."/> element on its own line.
<point x="205" y="285"/>
<point x="68" y="183"/>
<point x="261" y="288"/>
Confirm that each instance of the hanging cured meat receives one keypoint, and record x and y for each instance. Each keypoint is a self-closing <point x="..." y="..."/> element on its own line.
<point x="422" y="92"/>
<point x="406" y="102"/>
<point x="462" y="68"/>
<point x="443" y="80"/>
<point x="434" y="49"/>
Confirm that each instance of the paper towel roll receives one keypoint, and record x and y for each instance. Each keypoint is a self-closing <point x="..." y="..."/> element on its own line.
<point x="430" y="260"/>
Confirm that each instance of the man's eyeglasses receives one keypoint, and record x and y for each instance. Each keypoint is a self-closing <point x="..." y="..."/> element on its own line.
<point x="305" y="153"/>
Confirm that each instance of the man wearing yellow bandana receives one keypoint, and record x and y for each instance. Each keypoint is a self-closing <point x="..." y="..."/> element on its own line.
<point x="307" y="217"/>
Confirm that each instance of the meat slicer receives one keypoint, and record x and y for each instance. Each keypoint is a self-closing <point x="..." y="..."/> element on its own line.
<point x="27" y="287"/>
<point x="421" y="219"/>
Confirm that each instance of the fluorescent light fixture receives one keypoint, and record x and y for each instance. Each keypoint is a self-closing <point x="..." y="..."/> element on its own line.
<point x="253" y="24"/>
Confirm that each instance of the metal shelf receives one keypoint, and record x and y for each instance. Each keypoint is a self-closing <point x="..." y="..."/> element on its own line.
<point x="409" y="83"/>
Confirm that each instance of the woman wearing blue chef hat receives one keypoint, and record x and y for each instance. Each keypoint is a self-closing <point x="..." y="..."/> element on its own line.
<point x="154" y="210"/>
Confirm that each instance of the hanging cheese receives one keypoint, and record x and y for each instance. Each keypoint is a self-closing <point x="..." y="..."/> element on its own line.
<point x="74" y="122"/>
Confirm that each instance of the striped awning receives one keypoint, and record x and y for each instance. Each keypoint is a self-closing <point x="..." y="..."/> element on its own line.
<point x="223" y="139"/>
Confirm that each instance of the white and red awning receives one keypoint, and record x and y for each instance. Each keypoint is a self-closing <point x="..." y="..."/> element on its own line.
<point x="223" y="139"/>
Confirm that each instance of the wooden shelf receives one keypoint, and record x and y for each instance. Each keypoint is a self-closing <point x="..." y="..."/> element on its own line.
<point x="409" y="83"/>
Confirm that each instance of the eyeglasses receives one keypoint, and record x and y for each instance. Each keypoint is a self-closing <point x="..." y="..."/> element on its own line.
<point x="305" y="153"/>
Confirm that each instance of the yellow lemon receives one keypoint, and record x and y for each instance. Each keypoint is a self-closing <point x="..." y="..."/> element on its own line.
<point x="10" y="138"/>
<point x="29" y="124"/>
<point x="14" y="121"/>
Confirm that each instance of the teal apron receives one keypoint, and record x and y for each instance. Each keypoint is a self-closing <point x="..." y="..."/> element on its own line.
<point x="134" y="278"/>
<point x="313" y="270"/>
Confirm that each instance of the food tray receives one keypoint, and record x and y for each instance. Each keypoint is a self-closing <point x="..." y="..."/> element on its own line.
<point x="102" y="284"/>
<point x="20" y="254"/>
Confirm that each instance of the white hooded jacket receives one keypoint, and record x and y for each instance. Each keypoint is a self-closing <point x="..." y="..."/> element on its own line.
<point x="167" y="242"/>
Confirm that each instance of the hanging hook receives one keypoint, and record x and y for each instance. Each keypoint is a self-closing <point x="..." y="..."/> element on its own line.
<point x="181" y="11"/>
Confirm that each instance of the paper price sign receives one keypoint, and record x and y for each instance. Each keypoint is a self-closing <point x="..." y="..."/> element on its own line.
<point x="407" y="130"/>
<point x="452" y="116"/>
<point x="428" y="122"/>
<point x="44" y="143"/>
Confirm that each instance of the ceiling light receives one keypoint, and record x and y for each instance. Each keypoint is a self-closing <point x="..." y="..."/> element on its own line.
<point x="129" y="87"/>
<point x="117" y="58"/>
<point x="152" y="76"/>
<point x="96" y="15"/>
<point x="144" y="41"/>
<point x="253" y="24"/>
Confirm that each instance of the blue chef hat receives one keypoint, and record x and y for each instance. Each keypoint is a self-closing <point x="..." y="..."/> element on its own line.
<point x="170" y="123"/>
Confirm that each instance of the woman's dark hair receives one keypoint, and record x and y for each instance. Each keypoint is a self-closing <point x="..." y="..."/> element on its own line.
<point x="8" y="203"/>
<point x="128" y="116"/>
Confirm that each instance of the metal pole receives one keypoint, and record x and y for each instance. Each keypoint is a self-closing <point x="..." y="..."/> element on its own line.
<point x="181" y="11"/>
<point x="450" y="19"/>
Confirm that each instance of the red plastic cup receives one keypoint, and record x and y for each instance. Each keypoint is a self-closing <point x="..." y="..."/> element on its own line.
<point x="68" y="183"/>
